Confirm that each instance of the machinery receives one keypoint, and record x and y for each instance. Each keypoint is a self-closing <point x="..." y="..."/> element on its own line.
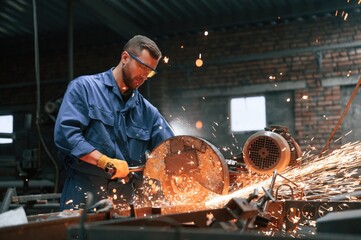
<point x="182" y="176"/>
<point x="271" y="149"/>
<point x="186" y="169"/>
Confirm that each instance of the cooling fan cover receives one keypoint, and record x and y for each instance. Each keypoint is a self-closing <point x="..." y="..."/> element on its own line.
<point x="266" y="151"/>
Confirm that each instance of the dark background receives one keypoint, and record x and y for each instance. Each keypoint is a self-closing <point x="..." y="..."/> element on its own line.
<point x="311" y="48"/>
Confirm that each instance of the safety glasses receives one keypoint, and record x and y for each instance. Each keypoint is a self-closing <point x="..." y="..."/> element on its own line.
<point x="152" y="71"/>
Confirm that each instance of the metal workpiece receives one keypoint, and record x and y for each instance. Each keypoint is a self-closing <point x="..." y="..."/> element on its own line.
<point x="48" y="226"/>
<point x="241" y="208"/>
<point x="289" y="215"/>
<point x="238" y="215"/>
<point x="186" y="169"/>
<point x="240" y="218"/>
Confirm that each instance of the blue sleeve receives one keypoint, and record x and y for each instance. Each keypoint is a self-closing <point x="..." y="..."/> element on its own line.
<point x="72" y="118"/>
<point x="161" y="132"/>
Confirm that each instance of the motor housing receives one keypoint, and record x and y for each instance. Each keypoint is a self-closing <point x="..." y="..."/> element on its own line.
<point x="271" y="149"/>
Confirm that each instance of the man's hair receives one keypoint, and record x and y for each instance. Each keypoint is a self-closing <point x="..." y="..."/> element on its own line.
<point x="138" y="43"/>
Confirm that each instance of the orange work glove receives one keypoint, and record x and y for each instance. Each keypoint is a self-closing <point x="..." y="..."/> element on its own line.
<point x="116" y="167"/>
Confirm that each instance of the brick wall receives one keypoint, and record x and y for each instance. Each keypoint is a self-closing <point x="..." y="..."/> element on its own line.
<point x="311" y="51"/>
<point x="246" y="56"/>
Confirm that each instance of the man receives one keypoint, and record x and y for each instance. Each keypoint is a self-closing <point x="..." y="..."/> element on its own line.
<point x="104" y="124"/>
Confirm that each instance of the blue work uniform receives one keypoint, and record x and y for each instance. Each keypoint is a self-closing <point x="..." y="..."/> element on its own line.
<point x="94" y="116"/>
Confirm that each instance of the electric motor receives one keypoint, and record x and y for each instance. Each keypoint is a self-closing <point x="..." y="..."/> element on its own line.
<point x="271" y="149"/>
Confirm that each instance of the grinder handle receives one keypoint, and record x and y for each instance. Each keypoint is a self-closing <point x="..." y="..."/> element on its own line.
<point x="111" y="169"/>
<point x="136" y="168"/>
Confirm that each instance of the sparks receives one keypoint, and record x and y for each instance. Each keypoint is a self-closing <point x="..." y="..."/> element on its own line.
<point x="321" y="178"/>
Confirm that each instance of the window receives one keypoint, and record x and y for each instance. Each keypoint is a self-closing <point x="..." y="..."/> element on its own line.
<point x="6" y="128"/>
<point x="248" y="114"/>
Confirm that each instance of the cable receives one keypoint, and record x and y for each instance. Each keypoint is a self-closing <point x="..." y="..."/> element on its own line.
<point x="37" y="77"/>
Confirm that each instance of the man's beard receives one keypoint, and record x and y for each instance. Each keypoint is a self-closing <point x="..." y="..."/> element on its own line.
<point x="127" y="81"/>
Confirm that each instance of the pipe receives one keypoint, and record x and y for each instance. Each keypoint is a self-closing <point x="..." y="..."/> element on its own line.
<point x="70" y="41"/>
<point x="38" y="102"/>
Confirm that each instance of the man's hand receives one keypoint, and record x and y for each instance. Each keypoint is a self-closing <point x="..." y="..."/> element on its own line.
<point x="116" y="167"/>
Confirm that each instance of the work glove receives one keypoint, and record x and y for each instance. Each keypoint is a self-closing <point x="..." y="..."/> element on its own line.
<point x="115" y="167"/>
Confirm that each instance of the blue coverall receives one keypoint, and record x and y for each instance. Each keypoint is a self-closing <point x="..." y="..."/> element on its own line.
<point x="93" y="116"/>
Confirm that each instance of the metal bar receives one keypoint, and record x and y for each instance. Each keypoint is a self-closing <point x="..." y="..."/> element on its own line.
<point x="54" y="229"/>
<point x="7" y="199"/>
<point x="31" y="84"/>
<point x="277" y="54"/>
<point x="27" y="198"/>
<point x="245" y="89"/>
<point x="32" y="207"/>
<point x="347" y="196"/>
<point x="197" y="217"/>
<point x="7" y="135"/>
<point x="341" y="118"/>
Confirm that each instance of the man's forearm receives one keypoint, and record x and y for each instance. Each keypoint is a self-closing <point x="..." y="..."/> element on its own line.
<point x="92" y="157"/>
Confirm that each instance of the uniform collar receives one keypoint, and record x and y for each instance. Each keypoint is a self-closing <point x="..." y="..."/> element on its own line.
<point x="110" y="81"/>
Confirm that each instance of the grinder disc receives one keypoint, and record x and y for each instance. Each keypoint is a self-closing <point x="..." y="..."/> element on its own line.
<point x="188" y="169"/>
